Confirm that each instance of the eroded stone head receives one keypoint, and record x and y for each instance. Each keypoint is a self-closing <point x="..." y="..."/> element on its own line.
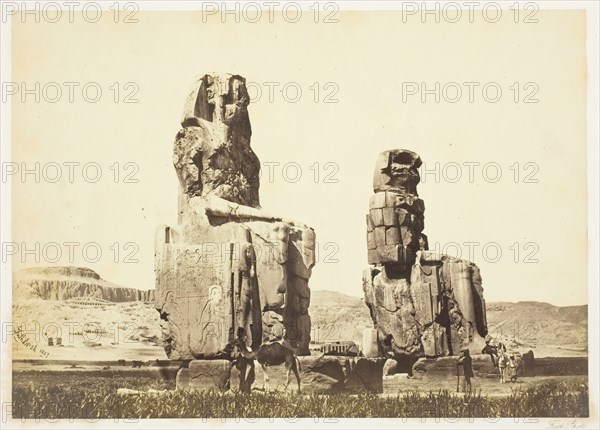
<point x="212" y="153"/>
<point x="396" y="215"/>
<point x="397" y="169"/>
<point x="219" y="98"/>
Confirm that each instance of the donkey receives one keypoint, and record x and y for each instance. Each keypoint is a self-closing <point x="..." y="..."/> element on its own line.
<point x="272" y="354"/>
<point x="503" y="364"/>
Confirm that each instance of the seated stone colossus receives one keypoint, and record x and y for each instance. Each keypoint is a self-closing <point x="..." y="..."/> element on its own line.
<point x="422" y="304"/>
<point x="227" y="264"/>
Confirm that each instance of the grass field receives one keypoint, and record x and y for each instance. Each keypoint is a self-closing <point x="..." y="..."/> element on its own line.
<point x="48" y="395"/>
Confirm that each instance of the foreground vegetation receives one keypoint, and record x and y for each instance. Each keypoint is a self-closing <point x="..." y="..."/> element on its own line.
<point x="46" y="395"/>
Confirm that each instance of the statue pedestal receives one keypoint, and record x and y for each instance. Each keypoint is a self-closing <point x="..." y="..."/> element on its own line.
<point x="318" y="375"/>
<point x="445" y="367"/>
<point x="205" y="375"/>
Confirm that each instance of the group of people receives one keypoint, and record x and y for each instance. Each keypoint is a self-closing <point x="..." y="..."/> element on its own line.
<point x="508" y="364"/>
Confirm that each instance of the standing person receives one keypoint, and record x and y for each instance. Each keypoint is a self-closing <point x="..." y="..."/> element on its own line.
<point x="467" y="364"/>
<point x="503" y="363"/>
<point x="512" y="365"/>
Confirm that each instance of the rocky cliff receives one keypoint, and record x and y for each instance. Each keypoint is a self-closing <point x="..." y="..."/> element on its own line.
<point x="63" y="283"/>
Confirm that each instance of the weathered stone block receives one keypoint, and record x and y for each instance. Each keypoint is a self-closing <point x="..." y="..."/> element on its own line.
<point x="389" y="216"/>
<point x="364" y="375"/>
<point x="400" y="254"/>
<point x="392" y="236"/>
<point x="205" y="375"/>
<point x="423" y="300"/>
<point x="378" y="201"/>
<point x="373" y="256"/>
<point x="370" y="225"/>
<point x="379" y="234"/>
<point x="434" y="340"/>
<point x="389" y="253"/>
<point x="377" y="217"/>
<point x="371" y="243"/>
<point x="392" y="199"/>
<point x="445" y="367"/>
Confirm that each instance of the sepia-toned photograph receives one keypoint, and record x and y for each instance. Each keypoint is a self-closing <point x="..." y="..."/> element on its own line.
<point x="280" y="214"/>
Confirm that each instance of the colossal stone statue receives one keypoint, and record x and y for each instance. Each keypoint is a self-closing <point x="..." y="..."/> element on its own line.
<point x="421" y="303"/>
<point x="228" y="263"/>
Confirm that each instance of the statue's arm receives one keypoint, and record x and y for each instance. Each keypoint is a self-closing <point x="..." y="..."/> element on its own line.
<point x="219" y="207"/>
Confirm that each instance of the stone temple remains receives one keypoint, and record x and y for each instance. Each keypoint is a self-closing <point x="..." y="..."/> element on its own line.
<point x="422" y="303"/>
<point x="227" y="264"/>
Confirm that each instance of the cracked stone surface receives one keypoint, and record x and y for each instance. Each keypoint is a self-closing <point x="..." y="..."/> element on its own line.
<point x="422" y="304"/>
<point x="227" y="264"/>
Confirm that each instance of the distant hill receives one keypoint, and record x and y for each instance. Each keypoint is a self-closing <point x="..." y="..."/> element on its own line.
<point x="66" y="282"/>
<point x="336" y="316"/>
<point x="540" y="326"/>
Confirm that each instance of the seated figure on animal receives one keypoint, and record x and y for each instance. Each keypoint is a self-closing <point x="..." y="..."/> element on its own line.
<point x="270" y="354"/>
<point x="493" y="348"/>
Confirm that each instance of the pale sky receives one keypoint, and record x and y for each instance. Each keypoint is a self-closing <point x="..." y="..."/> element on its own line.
<point x="364" y="61"/>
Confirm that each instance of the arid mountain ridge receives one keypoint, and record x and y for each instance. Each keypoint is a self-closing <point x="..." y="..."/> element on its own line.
<point x="64" y="283"/>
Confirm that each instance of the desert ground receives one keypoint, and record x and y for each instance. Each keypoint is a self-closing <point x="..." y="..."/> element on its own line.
<point x="165" y="375"/>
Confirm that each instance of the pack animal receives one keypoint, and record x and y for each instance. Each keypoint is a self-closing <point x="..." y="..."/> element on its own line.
<point x="272" y="354"/>
<point x="503" y="367"/>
